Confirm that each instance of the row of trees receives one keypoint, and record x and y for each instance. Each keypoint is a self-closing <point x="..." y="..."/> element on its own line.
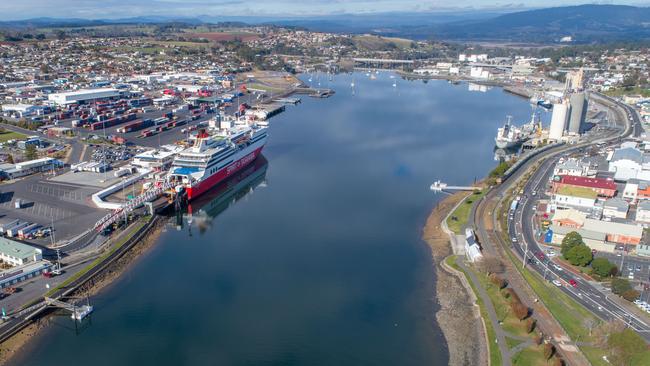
<point x="518" y="309"/>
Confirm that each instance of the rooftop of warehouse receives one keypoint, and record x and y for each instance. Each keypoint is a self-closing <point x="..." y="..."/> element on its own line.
<point x="16" y="249"/>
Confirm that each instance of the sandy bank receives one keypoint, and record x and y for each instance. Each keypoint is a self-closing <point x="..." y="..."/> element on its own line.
<point x="456" y="317"/>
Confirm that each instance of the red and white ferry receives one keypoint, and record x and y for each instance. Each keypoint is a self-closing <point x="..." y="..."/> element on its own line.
<point x="214" y="157"/>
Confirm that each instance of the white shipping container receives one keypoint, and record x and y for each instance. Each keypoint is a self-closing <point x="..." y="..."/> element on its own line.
<point x="14" y="230"/>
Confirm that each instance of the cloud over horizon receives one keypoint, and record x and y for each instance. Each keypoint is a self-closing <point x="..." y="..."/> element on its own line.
<point x="107" y="9"/>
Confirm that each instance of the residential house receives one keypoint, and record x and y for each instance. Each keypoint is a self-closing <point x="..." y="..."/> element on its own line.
<point x="472" y="248"/>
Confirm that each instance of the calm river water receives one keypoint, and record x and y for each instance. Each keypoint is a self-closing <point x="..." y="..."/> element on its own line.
<point x="313" y="256"/>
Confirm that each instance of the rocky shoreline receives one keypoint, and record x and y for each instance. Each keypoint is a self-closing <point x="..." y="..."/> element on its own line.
<point x="17" y="343"/>
<point x="457" y="317"/>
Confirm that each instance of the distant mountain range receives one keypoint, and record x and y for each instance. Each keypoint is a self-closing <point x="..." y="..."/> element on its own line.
<point x="584" y="23"/>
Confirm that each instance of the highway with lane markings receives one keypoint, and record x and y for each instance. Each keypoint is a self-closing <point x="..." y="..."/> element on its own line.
<point x="592" y="296"/>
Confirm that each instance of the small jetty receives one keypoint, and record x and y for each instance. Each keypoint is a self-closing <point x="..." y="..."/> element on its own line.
<point x="78" y="313"/>
<point x="439" y="186"/>
<point x="518" y="91"/>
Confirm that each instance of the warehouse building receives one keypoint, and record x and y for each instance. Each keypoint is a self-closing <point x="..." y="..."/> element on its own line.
<point x="18" y="254"/>
<point x="21" y="110"/>
<point x="25" y="168"/>
<point x="83" y="96"/>
<point x="11" y="277"/>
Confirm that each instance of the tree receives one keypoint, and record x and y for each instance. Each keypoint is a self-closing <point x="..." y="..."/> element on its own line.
<point x="530" y="325"/>
<point x="590" y="324"/>
<point x="30" y="152"/>
<point x="624" y="346"/>
<point x="579" y="255"/>
<point x="549" y="350"/>
<point x="519" y="310"/>
<point x="571" y="240"/>
<point x="630" y="295"/>
<point x="498" y="281"/>
<point x="490" y="264"/>
<point x="620" y="285"/>
<point x="603" y="267"/>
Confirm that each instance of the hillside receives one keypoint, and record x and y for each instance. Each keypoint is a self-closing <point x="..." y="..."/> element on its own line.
<point x="585" y="23"/>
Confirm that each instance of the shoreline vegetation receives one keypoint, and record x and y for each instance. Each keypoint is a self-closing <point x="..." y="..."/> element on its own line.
<point x="21" y="340"/>
<point x="460" y="324"/>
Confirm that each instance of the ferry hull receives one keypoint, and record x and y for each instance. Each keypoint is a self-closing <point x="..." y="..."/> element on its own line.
<point x="203" y="186"/>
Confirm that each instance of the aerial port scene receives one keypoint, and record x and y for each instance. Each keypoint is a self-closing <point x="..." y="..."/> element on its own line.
<point x="324" y="183"/>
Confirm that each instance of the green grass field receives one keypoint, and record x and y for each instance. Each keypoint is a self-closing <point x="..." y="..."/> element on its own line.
<point x="10" y="135"/>
<point x="458" y="219"/>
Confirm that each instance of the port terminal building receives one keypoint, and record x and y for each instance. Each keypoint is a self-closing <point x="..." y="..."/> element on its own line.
<point x="14" y="253"/>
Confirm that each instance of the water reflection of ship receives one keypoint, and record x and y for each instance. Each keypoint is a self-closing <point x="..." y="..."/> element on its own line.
<point x="203" y="210"/>
<point x="505" y="155"/>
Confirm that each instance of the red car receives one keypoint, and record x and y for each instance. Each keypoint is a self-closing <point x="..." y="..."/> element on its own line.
<point x="573" y="283"/>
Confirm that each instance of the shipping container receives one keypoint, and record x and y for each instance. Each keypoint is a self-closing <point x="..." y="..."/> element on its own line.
<point x="135" y="126"/>
<point x="27" y="230"/>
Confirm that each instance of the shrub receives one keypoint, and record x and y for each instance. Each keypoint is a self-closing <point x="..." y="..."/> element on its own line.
<point x="557" y="361"/>
<point x="549" y="350"/>
<point x="630" y="295"/>
<point x="530" y="325"/>
<point x="539" y="337"/>
<point x="498" y="281"/>
<point x="519" y="310"/>
<point x="512" y="295"/>
<point x="620" y="285"/>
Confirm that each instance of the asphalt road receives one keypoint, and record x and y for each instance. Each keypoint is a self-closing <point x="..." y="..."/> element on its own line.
<point x="592" y="296"/>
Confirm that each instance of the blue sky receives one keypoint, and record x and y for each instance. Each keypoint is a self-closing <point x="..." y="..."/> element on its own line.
<point x="96" y="9"/>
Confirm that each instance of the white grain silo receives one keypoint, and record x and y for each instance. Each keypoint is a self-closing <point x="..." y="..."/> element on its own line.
<point x="558" y="120"/>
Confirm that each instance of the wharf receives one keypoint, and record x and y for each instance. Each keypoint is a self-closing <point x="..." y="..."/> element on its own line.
<point x="293" y="101"/>
<point x="518" y="91"/>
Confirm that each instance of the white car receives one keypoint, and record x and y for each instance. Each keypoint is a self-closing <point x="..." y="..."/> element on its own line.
<point x="557" y="283"/>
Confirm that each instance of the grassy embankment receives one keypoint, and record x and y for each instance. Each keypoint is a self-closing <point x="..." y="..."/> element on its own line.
<point x="458" y="219"/>
<point x="495" y="354"/>
<point x="120" y="243"/>
<point x="532" y="355"/>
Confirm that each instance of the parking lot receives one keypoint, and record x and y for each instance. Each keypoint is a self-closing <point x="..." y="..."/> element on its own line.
<point x="45" y="202"/>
